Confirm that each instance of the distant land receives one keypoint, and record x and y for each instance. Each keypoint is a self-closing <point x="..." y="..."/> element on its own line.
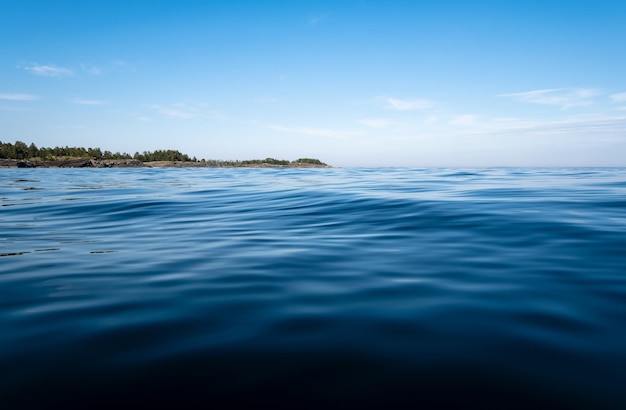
<point x="21" y="155"/>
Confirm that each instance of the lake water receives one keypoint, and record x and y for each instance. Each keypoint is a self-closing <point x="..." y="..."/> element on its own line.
<point x="313" y="288"/>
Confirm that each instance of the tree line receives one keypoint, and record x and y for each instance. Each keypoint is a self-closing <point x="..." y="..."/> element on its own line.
<point x="21" y="151"/>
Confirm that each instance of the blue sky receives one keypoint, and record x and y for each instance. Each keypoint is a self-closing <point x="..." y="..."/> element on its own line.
<point x="351" y="82"/>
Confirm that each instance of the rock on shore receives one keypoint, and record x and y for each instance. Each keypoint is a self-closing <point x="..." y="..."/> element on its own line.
<point x="71" y="163"/>
<point x="133" y="163"/>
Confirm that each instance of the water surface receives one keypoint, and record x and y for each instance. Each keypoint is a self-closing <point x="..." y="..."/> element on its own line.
<point x="343" y="288"/>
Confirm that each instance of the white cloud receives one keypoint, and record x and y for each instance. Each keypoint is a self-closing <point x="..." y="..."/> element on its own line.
<point x="266" y="100"/>
<point x="48" y="70"/>
<point x="504" y="120"/>
<point x="597" y="126"/>
<point x="618" y="97"/>
<point x="432" y="119"/>
<point x="375" y="122"/>
<point x="18" y="97"/>
<point x="316" y="132"/>
<point x="406" y="105"/>
<point x="120" y="66"/>
<point x="93" y="70"/>
<point x="88" y="102"/>
<point x="175" y="112"/>
<point x="561" y="97"/>
<point x="464" y="120"/>
<point x="180" y="111"/>
<point x="69" y="127"/>
<point x="140" y="117"/>
<point x="9" y="108"/>
<point x="314" y="19"/>
<point x="119" y="63"/>
<point x="396" y="104"/>
<point x="187" y="111"/>
<point x="591" y="125"/>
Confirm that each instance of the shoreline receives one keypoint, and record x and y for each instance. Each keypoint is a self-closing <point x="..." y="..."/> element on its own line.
<point x="133" y="163"/>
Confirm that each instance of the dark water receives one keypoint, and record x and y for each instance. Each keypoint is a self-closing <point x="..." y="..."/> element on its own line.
<point x="338" y="288"/>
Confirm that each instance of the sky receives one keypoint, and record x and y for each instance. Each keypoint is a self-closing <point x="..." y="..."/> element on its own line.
<point x="354" y="83"/>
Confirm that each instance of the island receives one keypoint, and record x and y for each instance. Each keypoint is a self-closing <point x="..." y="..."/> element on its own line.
<point x="22" y="155"/>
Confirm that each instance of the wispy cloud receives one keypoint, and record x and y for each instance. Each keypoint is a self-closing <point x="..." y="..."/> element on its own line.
<point x="266" y="100"/>
<point x="48" y="70"/>
<point x="314" y="19"/>
<point x="88" y="102"/>
<point x="316" y="132"/>
<point x="188" y="111"/>
<point x="119" y="63"/>
<point x="465" y="120"/>
<point x="432" y="119"/>
<point x="175" y="112"/>
<point x="618" y="97"/>
<point x="595" y="126"/>
<point x="10" y="108"/>
<point x="375" y="122"/>
<point x="589" y="125"/>
<point x="120" y="66"/>
<point x="69" y="126"/>
<point x="179" y="111"/>
<point x="560" y="97"/>
<point x="18" y="97"/>
<point x="142" y="118"/>
<point x="92" y="69"/>
<point x="405" y="105"/>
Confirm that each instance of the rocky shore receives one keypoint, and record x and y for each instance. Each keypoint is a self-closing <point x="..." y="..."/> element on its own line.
<point x="71" y="163"/>
<point x="133" y="163"/>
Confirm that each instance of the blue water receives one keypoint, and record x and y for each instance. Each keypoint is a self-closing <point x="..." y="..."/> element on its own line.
<point x="313" y="288"/>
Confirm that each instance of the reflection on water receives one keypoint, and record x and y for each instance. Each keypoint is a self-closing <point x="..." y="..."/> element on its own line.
<point x="346" y="288"/>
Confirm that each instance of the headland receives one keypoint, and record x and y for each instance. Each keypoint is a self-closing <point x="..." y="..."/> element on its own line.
<point x="21" y="155"/>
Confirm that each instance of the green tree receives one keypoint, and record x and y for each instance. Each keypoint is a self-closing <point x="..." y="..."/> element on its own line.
<point x="32" y="150"/>
<point x="309" y="161"/>
<point x="21" y="150"/>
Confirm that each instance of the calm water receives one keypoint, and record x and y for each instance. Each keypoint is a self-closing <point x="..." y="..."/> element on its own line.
<point x="313" y="287"/>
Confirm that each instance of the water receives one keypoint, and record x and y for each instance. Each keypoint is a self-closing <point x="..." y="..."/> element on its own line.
<point x="341" y="288"/>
